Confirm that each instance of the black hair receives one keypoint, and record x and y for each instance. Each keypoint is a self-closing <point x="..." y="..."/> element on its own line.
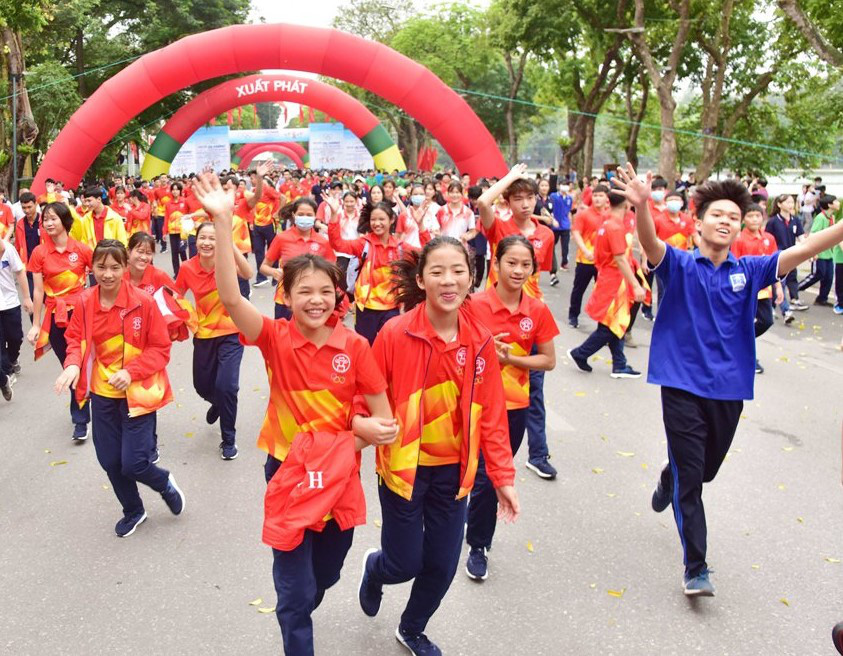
<point x="119" y="188"/>
<point x="49" y="181"/>
<point x="600" y="189"/>
<point x="455" y="184"/>
<point x="336" y="184"/>
<point x="140" y="238"/>
<point x="515" y="240"/>
<point x="286" y="213"/>
<point x="177" y="185"/>
<point x="111" y="247"/>
<point x="27" y="197"/>
<point x="364" y="225"/>
<point x="62" y="211"/>
<point x="714" y="190"/>
<point x="474" y="192"/>
<point x="137" y="193"/>
<point x="659" y="183"/>
<point x="762" y="182"/>
<point x="230" y="178"/>
<point x="204" y="224"/>
<point x="92" y="192"/>
<point x="520" y="186"/>
<point x="405" y="286"/>
<point x="297" y="266"/>
<point x="754" y="207"/>
<point x="616" y="199"/>
<point x="826" y="201"/>
<point x="349" y="193"/>
<point x="675" y="194"/>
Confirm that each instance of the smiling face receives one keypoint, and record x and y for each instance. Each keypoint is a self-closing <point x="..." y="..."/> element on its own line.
<point x="514" y="267"/>
<point x="312" y="299"/>
<point x="108" y="273"/>
<point x="379" y="221"/>
<point x="454" y="196"/>
<point x="446" y="278"/>
<point x="349" y="205"/>
<point x="206" y="242"/>
<point x="52" y="224"/>
<point x="93" y="203"/>
<point x="140" y="258"/>
<point x="720" y="224"/>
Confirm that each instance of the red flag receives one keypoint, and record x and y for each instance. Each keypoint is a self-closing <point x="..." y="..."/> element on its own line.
<point x="301" y="114"/>
<point x="255" y="113"/>
<point x="311" y="117"/>
<point x="230" y="117"/>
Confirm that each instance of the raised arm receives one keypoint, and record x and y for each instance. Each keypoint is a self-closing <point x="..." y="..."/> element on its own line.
<point x="220" y="205"/>
<point x="261" y="170"/>
<point x="816" y="243"/>
<point x="626" y="182"/>
<point x="486" y="202"/>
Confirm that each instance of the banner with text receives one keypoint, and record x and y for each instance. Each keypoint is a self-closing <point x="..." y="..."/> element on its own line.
<point x="206" y="147"/>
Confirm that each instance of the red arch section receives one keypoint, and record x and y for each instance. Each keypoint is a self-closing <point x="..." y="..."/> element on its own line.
<point x="250" y="150"/>
<point x="272" y="148"/>
<point x="240" y="48"/>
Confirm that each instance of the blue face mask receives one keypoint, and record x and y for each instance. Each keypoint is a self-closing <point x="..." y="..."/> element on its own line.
<point x="305" y="222"/>
<point x="658" y="195"/>
<point x="674" y="205"/>
<point x="417" y="199"/>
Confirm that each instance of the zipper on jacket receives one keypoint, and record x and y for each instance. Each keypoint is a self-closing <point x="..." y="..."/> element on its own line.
<point x="470" y="403"/>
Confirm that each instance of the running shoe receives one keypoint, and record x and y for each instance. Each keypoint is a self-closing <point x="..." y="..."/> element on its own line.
<point x="126" y="526"/>
<point x="649" y="316"/>
<point x="625" y="372"/>
<point x="554" y="280"/>
<point x="823" y="303"/>
<point x="564" y="267"/>
<point x="6" y="389"/>
<point x="228" y="451"/>
<point x="788" y="318"/>
<point x="758" y="368"/>
<point x="212" y="415"/>
<point x="837" y="636"/>
<point x="157" y="457"/>
<point x="699" y="585"/>
<point x="798" y="305"/>
<point x="80" y="432"/>
<point x="16" y="367"/>
<point x="582" y="363"/>
<point x="417" y="643"/>
<point x="477" y="565"/>
<point x="664" y="490"/>
<point x="261" y="283"/>
<point x="369" y="594"/>
<point x="12" y="379"/>
<point x="573" y="323"/>
<point x="542" y="468"/>
<point x="173" y="496"/>
<point x="838" y="309"/>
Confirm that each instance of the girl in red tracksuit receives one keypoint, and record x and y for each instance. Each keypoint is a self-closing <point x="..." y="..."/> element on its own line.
<point x="446" y="391"/>
<point x="117" y="353"/>
<point x="376" y="250"/>
<point x="315" y="368"/>
<point x="519" y="323"/>
<point x="140" y="270"/>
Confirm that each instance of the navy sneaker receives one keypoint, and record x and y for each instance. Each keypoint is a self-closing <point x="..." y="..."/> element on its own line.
<point x="542" y="468"/>
<point x="157" y="457"/>
<point x="228" y="451"/>
<point x="126" y="526"/>
<point x="6" y="389"/>
<point x="417" y="643"/>
<point x="663" y="494"/>
<point x="369" y="594"/>
<point x="758" y="368"/>
<point x="80" y="432"/>
<point x="573" y="323"/>
<point x="173" y="496"/>
<point x="16" y="364"/>
<point x="582" y="363"/>
<point x="477" y="565"/>
<point x="699" y="585"/>
<point x="837" y="632"/>
<point x="212" y="415"/>
<point x="625" y="372"/>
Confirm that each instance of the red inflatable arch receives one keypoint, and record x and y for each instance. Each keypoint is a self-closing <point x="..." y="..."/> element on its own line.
<point x="247" y="153"/>
<point x="272" y="148"/>
<point x="239" y="48"/>
<point x="271" y="88"/>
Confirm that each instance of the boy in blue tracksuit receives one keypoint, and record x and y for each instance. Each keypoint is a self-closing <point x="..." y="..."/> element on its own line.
<point x="703" y="346"/>
<point x="561" y="204"/>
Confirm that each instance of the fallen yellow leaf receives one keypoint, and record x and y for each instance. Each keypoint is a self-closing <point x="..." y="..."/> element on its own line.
<point x="596" y="470"/>
<point x="579" y="393"/>
<point x="592" y="586"/>
<point x="378" y="523"/>
<point x="105" y="487"/>
<point x="55" y="463"/>
<point x="787" y="448"/>
<point x="829" y="559"/>
<point x="756" y="567"/>
<point x="625" y="454"/>
<point x="644" y="465"/>
<point x="47" y="451"/>
<point x="800" y="520"/>
<point x="188" y="434"/>
<point x="266" y="611"/>
<point x="256" y="389"/>
<point x="179" y="405"/>
<point x="616" y="593"/>
<point x="530" y="546"/>
<point x="783" y="358"/>
<point x="781" y="486"/>
<point x="785" y="601"/>
<point x="256" y="602"/>
<point x="611" y="495"/>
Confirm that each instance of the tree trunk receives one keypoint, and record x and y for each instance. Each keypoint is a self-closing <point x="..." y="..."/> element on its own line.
<point x="587" y="163"/>
<point x="513" y="137"/>
<point x="811" y="34"/>
<point x="635" y="118"/>
<point x="412" y="157"/>
<point x="667" y="148"/>
<point x="79" y="47"/>
<point x="26" y="128"/>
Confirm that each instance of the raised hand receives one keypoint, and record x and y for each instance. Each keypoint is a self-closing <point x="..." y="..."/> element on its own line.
<point x="263" y="168"/>
<point x="216" y="200"/>
<point x="626" y="182"/>
<point x="519" y="171"/>
<point x="334" y="206"/>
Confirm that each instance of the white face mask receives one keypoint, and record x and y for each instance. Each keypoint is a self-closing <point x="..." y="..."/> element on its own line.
<point x="658" y="195"/>
<point x="564" y="189"/>
<point x="304" y="222"/>
<point x="417" y="199"/>
<point x="674" y="205"/>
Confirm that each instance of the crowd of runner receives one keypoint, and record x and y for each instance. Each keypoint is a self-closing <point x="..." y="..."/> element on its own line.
<point x="443" y="371"/>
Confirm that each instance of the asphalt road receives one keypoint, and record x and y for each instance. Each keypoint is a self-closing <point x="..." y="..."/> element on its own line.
<point x="588" y="569"/>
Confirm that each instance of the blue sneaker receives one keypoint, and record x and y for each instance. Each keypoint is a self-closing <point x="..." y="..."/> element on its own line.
<point x="417" y="644"/>
<point x="477" y="565"/>
<point x="838" y="309"/>
<point x="369" y="594"/>
<point x="664" y="490"/>
<point x="582" y="363"/>
<point x="699" y="585"/>
<point x="228" y="451"/>
<point x="173" y="496"/>
<point x="625" y="372"/>
<point x="126" y="526"/>
<point x="542" y="468"/>
<point x="80" y="432"/>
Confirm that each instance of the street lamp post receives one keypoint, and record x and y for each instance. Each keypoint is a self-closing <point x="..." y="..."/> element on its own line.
<point x="16" y="77"/>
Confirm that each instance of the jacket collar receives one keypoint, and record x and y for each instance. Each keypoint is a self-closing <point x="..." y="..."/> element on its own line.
<point x="730" y="258"/>
<point x="498" y="306"/>
<point x="337" y="339"/>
